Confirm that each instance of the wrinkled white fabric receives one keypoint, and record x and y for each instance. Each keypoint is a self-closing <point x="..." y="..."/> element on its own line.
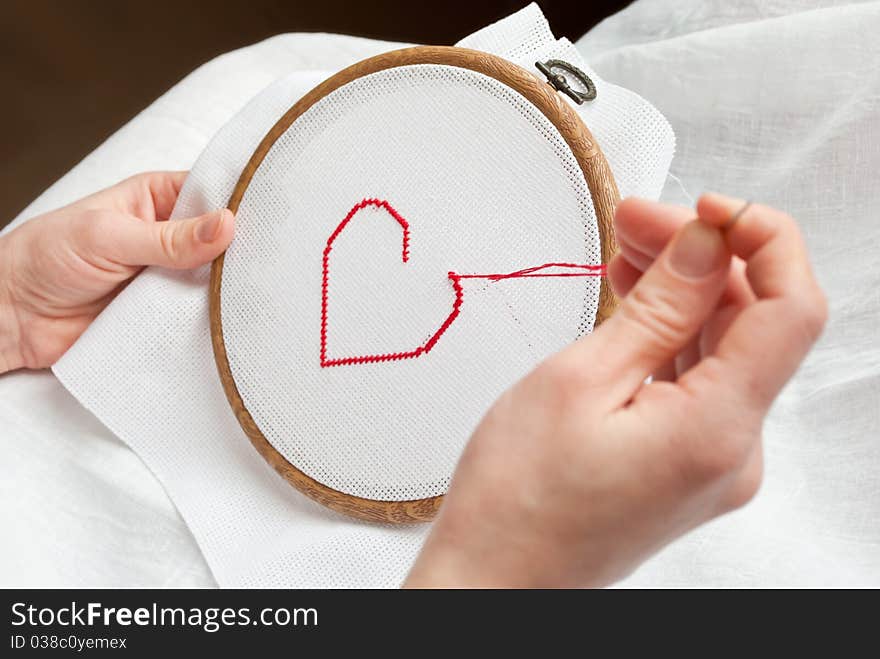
<point x="776" y="101"/>
<point x="78" y="507"/>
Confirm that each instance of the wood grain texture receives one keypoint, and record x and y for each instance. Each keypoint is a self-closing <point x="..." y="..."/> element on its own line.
<point x="597" y="173"/>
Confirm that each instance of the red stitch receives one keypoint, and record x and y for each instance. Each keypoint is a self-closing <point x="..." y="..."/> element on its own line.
<point x="455" y="278"/>
<point x="591" y="270"/>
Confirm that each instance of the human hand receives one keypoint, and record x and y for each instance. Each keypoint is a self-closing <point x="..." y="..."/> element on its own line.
<point x="59" y="270"/>
<point x="583" y="470"/>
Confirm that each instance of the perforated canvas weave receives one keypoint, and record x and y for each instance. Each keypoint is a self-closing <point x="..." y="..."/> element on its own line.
<point x="476" y="180"/>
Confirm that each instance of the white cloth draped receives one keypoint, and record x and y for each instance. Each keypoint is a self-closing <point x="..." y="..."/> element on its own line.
<point x="775" y="101"/>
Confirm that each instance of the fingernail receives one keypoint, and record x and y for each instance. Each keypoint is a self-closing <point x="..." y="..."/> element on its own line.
<point x="209" y="227"/>
<point x="698" y="250"/>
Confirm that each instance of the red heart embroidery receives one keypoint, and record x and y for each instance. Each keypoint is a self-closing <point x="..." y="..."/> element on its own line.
<point x="392" y="356"/>
<point x="581" y="270"/>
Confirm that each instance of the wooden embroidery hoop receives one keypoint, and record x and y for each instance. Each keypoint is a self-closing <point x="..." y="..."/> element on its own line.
<point x="597" y="173"/>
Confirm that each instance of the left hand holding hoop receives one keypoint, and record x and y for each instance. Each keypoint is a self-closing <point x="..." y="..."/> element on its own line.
<point x="58" y="271"/>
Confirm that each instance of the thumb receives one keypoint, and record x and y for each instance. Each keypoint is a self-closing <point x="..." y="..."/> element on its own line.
<point x="659" y="316"/>
<point x="178" y="244"/>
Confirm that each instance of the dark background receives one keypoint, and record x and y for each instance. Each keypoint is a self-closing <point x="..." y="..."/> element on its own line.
<point x="74" y="71"/>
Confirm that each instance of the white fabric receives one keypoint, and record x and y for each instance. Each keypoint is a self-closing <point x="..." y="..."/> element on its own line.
<point x="778" y="102"/>
<point x="743" y="86"/>
<point x="77" y="506"/>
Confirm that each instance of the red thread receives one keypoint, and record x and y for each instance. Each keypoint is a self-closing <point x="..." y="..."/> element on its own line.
<point x="590" y="271"/>
<point x="586" y="270"/>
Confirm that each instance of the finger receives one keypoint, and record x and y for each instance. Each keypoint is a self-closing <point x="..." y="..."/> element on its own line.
<point x="767" y="340"/>
<point x="646" y="227"/>
<point x="636" y="258"/>
<point x="738" y="292"/>
<point x="642" y="235"/>
<point x="760" y="236"/>
<point x="661" y="314"/>
<point x="703" y="344"/>
<point x="736" y="295"/>
<point x="626" y="268"/>
<point x="688" y="356"/>
<point x="151" y="196"/>
<point x="622" y="275"/>
<point x="180" y="244"/>
<point x="716" y="327"/>
<point x="710" y="335"/>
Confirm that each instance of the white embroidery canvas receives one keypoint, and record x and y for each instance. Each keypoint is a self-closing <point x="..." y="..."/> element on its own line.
<point x="359" y="356"/>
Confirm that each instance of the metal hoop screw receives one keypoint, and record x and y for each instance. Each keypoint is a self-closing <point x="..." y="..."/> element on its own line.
<point x="560" y="83"/>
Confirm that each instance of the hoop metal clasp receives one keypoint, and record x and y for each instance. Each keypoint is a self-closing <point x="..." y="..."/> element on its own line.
<point x="560" y="83"/>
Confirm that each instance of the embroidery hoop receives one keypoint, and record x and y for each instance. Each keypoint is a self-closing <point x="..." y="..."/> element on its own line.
<point x="597" y="174"/>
